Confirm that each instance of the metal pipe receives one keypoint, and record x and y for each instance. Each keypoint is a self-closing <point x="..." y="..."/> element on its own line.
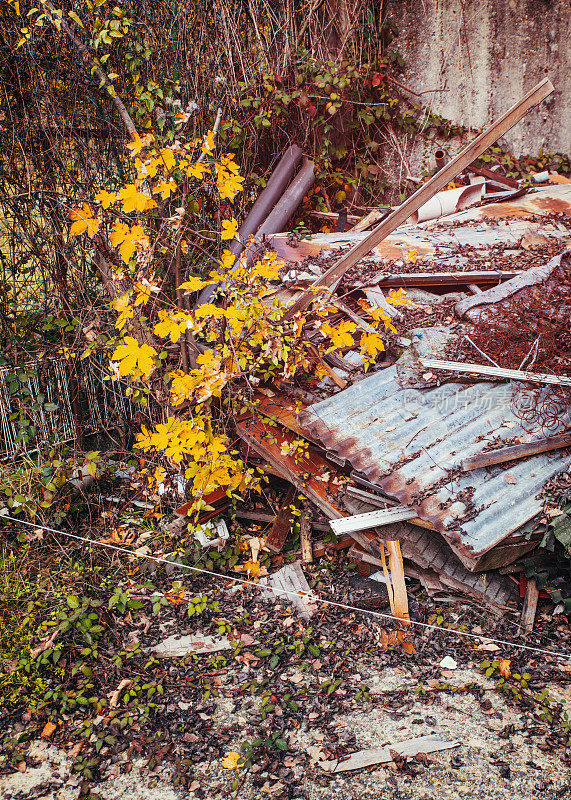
<point x="267" y="199"/>
<point x="440" y="158"/>
<point x="277" y="220"/>
<point x="284" y="209"/>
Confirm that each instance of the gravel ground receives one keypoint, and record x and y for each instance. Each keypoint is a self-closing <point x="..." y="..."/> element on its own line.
<point x="498" y="756"/>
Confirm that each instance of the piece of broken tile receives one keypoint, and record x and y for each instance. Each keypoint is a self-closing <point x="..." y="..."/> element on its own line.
<point x="178" y="646"/>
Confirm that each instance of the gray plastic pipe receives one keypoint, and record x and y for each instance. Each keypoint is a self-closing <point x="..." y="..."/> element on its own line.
<point x="284" y="209"/>
<point x="267" y="199"/>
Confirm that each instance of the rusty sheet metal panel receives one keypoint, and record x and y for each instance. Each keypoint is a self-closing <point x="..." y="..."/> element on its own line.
<point x="438" y="240"/>
<point x="411" y="442"/>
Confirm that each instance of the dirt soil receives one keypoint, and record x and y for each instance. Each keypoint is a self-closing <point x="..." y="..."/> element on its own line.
<point x="380" y="696"/>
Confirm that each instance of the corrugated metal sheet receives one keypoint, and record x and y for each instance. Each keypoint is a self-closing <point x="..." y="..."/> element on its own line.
<point x="410" y="442"/>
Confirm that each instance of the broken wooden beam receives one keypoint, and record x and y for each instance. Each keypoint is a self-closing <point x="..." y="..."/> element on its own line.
<point x="394" y="579"/>
<point x="496" y="372"/>
<point x="530" y="605"/>
<point x="256" y="516"/>
<point x="305" y="535"/>
<point x="448" y="172"/>
<point x="423" y="279"/>
<point x="382" y="755"/>
<point x="516" y="451"/>
<point x="282" y="523"/>
<point x="290" y="585"/>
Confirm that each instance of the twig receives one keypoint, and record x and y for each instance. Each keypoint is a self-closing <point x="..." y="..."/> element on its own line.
<point x="535" y="346"/>
<point x="217" y="122"/>
<point x="98" y="72"/>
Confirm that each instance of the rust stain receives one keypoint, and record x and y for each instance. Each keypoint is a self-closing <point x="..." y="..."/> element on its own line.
<point x="398" y="248"/>
<point x="552" y="205"/>
<point x="300" y="252"/>
<point x="504" y="211"/>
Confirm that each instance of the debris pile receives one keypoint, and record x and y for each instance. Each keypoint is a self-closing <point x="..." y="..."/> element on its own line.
<point x="427" y="462"/>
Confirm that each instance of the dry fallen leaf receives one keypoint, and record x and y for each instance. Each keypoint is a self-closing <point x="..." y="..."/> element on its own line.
<point x="409" y="648"/>
<point x="505" y="668"/>
<point x="114" y="696"/>
<point x="232" y="761"/>
<point x="509" y="478"/>
<point x="490" y="647"/>
<point x="49" y="728"/>
<point x="43" y="645"/>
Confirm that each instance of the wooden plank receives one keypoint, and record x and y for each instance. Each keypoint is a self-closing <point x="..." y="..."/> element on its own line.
<point x="516" y="451"/>
<point x="382" y="755"/>
<point x="420" y="279"/>
<point x="495" y="372"/>
<point x="282" y="523"/>
<point x="448" y="172"/>
<point x="305" y="535"/>
<point x="497" y="177"/>
<point x="399" y="601"/>
<point x="373" y="216"/>
<point x="530" y="605"/>
<point x="256" y="516"/>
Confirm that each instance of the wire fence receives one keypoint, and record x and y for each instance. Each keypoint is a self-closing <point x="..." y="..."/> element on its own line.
<point x="103" y="404"/>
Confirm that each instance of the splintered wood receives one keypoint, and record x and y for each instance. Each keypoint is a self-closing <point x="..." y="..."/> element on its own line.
<point x="289" y="584"/>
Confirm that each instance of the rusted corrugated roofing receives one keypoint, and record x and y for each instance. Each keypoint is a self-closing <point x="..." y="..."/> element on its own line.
<point x="410" y="442"/>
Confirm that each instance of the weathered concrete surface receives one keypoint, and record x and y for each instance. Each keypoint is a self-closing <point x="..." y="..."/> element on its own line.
<point x="487" y="54"/>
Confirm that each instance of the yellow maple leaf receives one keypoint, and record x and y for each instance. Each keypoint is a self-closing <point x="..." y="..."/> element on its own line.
<point x="229" y="185"/>
<point x="229" y="229"/>
<point x="173" y="324"/>
<point x="268" y="267"/>
<point x="182" y="387"/>
<point x="372" y="344"/>
<point x="412" y="255"/>
<point x="208" y="143"/>
<point x="341" y="335"/>
<point x="106" y="198"/>
<point x="137" y="143"/>
<point x="84" y="222"/>
<point x="227" y="260"/>
<point x="125" y="309"/>
<point x="169" y="161"/>
<point x="198" y="170"/>
<point x="133" y="358"/>
<point x="232" y="761"/>
<point x="127" y="239"/>
<point x="399" y="298"/>
<point x="165" y="188"/>
<point x="194" y="284"/>
<point x="134" y="200"/>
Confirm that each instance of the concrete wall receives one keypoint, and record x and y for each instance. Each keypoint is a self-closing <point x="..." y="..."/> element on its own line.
<point x="487" y="54"/>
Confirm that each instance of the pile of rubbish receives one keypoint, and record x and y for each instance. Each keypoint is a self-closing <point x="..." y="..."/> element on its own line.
<point x="449" y="461"/>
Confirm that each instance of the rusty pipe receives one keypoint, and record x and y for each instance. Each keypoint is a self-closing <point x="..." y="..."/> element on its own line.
<point x="440" y="158"/>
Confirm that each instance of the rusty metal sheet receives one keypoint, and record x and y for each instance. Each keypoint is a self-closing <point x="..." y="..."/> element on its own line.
<point x="437" y="240"/>
<point x="411" y="442"/>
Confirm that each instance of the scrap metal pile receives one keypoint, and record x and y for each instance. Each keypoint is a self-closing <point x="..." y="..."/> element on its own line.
<point x="431" y="465"/>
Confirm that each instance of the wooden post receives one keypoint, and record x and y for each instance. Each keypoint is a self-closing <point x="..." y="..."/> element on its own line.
<point x="396" y="587"/>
